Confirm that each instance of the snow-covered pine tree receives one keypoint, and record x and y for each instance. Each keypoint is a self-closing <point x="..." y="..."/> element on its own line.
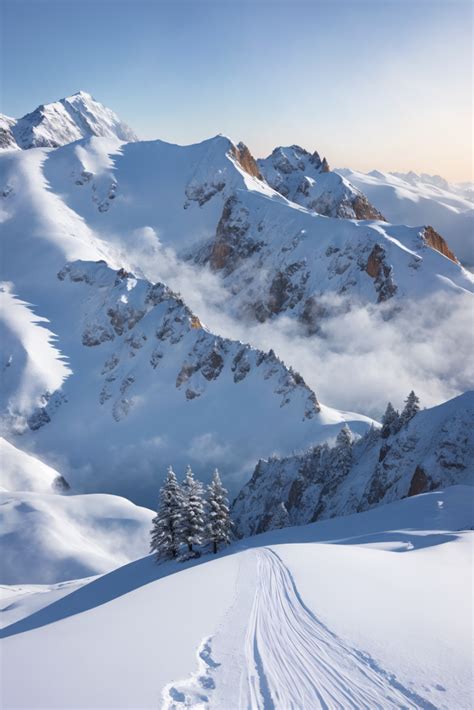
<point x="165" y="533"/>
<point x="390" y="421"/>
<point x="218" y="515"/>
<point x="193" y="516"/>
<point x="280" y="518"/>
<point x="372" y="435"/>
<point x="412" y="407"/>
<point x="341" y="454"/>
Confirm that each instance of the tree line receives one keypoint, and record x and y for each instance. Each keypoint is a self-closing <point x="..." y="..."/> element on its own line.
<point x="189" y="518"/>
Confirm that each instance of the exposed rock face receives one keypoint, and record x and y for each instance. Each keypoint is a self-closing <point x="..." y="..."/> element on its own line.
<point x="232" y="242"/>
<point x="378" y="269"/>
<point x="436" y="241"/>
<point x="7" y="139"/>
<point x="147" y="321"/>
<point x="436" y="448"/>
<point x="246" y="160"/>
<point x="420" y="483"/>
<point x="364" y="210"/>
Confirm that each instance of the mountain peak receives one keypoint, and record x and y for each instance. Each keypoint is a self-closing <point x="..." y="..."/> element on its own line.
<point x="64" y="121"/>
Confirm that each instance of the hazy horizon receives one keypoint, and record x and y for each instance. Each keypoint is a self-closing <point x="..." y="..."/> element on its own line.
<point x="369" y="85"/>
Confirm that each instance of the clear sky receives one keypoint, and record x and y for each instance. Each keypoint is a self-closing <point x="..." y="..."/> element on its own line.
<point x="381" y="84"/>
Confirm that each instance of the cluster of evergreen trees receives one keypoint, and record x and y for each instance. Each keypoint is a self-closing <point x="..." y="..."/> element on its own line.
<point x="188" y="517"/>
<point x="393" y="421"/>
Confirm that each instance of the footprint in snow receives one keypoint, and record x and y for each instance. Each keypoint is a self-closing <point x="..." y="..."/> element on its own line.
<point x="193" y="692"/>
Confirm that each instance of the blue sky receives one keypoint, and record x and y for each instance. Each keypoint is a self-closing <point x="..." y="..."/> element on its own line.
<point x="369" y="83"/>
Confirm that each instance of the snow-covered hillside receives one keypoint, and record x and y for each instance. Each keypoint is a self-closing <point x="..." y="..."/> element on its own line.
<point x="435" y="449"/>
<point x="48" y="538"/>
<point x="64" y="121"/>
<point x="408" y="198"/>
<point x="364" y="611"/>
<point x="21" y="472"/>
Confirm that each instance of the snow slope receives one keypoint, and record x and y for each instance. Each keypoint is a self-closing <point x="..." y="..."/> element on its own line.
<point x="364" y="611"/>
<point x="47" y="538"/>
<point x="61" y="122"/>
<point x="21" y="472"/>
<point x="422" y="199"/>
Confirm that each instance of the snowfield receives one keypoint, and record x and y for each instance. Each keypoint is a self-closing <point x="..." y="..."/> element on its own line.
<point x="364" y="611"/>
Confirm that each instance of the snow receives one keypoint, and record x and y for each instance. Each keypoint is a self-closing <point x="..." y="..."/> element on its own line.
<point x="22" y="472"/>
<point x="366" y="611"/>
<point x="413" y="199"/>
<point x="48" y="538"/>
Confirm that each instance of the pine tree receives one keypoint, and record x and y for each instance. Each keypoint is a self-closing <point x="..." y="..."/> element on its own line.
<point x="412" y="407"/>
<point x="192" y="519"/>
<point x="341" y="454"/>
<point x="165" y="533"/>
<point x="219" y="523"/>
<point x="390" y="421"/>
<point x="280" y="518"/>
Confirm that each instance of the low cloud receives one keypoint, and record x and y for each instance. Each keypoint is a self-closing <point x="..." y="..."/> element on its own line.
<point x="363" y="356"/>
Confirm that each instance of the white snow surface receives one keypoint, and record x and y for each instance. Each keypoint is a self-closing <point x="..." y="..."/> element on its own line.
<point x="49" y="538"/>
<point x="408" y="198"/>
<point x="365" y="611"/>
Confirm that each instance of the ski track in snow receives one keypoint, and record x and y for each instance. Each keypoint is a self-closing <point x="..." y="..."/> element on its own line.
<point x="292" y="660"/>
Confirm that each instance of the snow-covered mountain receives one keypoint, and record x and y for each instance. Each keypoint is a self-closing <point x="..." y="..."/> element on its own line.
<point x="434" y="450"/>
<point x="408" y="198"/>
<point x="146" y="384"/>
<point x="109" y="356"/>
<point x="307" y="180"/>
<point x="64" y="121"/>
<point x="363" y="611"/>
<point x="207" y="204"/>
